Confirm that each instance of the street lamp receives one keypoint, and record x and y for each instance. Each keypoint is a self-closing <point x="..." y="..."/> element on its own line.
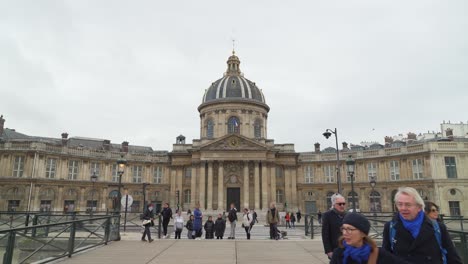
<point x="350" y="164"/>
<point x="328" y="134"/>
<point x="93" y="179"/>
<point x="121" y="163"/>
<point x="372" y="184"/>
<point x="144" y="196"/>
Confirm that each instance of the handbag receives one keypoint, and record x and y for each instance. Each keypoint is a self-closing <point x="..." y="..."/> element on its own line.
<point x="145" y="222"/>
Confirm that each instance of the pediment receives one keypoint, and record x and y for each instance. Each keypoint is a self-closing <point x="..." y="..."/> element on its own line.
<point x="234" y="143"/>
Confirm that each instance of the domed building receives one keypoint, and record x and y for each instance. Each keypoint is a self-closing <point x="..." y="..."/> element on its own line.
<point x="233" y="161"/>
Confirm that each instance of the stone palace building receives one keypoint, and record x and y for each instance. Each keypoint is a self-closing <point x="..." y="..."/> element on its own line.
<point x="233" y="161"/>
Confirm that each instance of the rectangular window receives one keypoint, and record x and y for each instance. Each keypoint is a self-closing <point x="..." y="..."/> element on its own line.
<point x="279" y="172"/>
<point x="73" y="169"/>
<point x="188" y="172"/>
<point x="46" y="205"/>
<point x="418" y="169"/>
<point x="18" y="166"/>
<point x="372" y="170"/>
<point x="115" y="173"/>
<point x="279" y="196"/>
<point x="187" y="196"/>
<point x="329" y="172"/>
<point x="94" y="167"/>
<point x="394" y="170"/>
<point x="451" y="167"/>
<point x="91" y="205"/>
<point x="137" y="174"/>
<point x="157" y="175"/>
<point x="308" y="174"/>
<point x="13" y="205"/>
<point x="51" y="168"/>
<point x="454" y="208"/>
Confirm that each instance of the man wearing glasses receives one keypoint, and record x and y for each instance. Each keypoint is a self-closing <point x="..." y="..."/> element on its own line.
<point x="331" y="223"/>
<point x="414" y="237"/>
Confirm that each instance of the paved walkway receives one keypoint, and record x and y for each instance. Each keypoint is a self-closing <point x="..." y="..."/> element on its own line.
<point x="170" y="251"/>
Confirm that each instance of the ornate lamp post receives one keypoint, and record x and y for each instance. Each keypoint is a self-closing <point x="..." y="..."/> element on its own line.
<point x="328" y="134"/>
<point x="372" y="183"/>
<point x="350" y="164"/>
<point x="93" y="179"/>
<point x="121" y="163"/>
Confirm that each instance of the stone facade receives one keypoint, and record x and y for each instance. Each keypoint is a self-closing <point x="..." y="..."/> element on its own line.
<point x="233" y="161"/>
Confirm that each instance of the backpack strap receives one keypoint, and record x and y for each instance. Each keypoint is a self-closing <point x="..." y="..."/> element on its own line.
<point x="392" y="234"/>
<point x="438" y="236"/>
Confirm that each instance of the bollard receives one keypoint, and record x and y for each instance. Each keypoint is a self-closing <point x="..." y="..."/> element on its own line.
<point x="26" y="223"/>
<point x="71" y="240"/>
<point x="159" y="226"/>
<point x="107" y="231"/>
<point x="34" y="224"/>
<point x="306" y="225"/>
<point x="8" y="256"/>
<point x="311" y="227"/>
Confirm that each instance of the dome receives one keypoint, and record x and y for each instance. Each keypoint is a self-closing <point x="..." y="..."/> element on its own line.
<point x="233" y="86"/>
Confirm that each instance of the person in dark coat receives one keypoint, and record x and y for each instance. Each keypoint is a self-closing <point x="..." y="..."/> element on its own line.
<point x="209" y="228"/>
<point x="414" y="238"/>
<point x="232" y="217"/>
<point x="166" y="217"/>
<point x="356" y="247"/>
<point x="148" y="218"/>
<point x="220" y="227"/>
<point x="331" y="223"/>
<point x="298" y="216"/>
<point x="197" y="222"/>
<point x="189" y="226"/>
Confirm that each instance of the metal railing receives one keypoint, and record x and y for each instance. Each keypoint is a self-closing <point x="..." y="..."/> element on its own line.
<point x="42" y="243"/>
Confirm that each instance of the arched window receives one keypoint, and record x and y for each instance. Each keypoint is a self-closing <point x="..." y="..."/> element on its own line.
<point x="187" y="196"/>
<point x="258" y="128"/>
<point x="279" y="196"/>
<point x="329" y="203"/>
<point x="233" y="125"/>
<point x="209" y="129"/>
<point x="350" y="200"/>
<point x="375" y="205"/>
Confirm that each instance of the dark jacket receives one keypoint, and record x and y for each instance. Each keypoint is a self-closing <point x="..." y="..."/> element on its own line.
<point x="166" y="214"/>
<point x="384" y="257"/>
<point x="189" y="225"/>
<point x="331" y="223"/>
<point x="423" y="249"/>
<point x="148" y="214"/>
<point x="209" y="228"/>
<point x="232" y="216"/>
<point x="220" y="226"/>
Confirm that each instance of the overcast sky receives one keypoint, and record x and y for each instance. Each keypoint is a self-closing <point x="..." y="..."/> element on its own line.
<point x="136" y="70"/>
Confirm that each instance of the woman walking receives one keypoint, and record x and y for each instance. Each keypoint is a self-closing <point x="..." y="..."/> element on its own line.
<point x="247" y="222"/>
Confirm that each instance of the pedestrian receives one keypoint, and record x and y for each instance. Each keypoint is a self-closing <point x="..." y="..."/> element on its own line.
<point x="247" y="222"/>
<point x="189" y="212"/>
<point x="178" y="224"/>
<point x="287" y="217"/>
<point x="331" y="224"/>
<point x="148" y="218"/>
<point x="189" y="226"/>
<point x="232" y="217"/>
<point x="319" y="217"/>
<point x="432" y="211"/>
<point x="255" y="216"/>
<point x="293" y="220"/>
<point x="355" y="245"/>
<point x="220" y="227"/>
<point x="413" y="236"/>
<point x="298" y="215"/>
<point x="197" y="222"/>
<point x="272" y="220"/>
<point x="166" y="217"/>
<point x="209" y="228"/>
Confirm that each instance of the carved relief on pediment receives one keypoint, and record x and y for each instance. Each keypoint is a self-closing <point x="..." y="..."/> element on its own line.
<point x="233" y="143"/>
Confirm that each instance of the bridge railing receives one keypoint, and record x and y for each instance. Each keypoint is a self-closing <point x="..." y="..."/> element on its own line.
<point x="43" y="243"/>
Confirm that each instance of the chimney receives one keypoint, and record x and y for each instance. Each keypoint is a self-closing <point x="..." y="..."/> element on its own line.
<point x="317" y="147"/>
<point x="125" y="146"/>
<point x="64" y="138"/>
<point x="2" y="124"/>
<point x="345" y="146"/>
<point x="106" y="144"/>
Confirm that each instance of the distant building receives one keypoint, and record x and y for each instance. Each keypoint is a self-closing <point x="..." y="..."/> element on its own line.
<point x="232" y="161"/>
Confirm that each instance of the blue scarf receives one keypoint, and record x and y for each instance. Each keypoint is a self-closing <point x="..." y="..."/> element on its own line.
<point x="360" y="254"/>
<point x="415" y="225"/>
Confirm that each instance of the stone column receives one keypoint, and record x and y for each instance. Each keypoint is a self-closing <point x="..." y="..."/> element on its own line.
<point x="264" y="186"/>
<point x="58" y="202"/>
<point x="210" y="187"/>
<point x="171" y="197"/>
<point x="294" y="188"/>
<point x="287" y="186"/>
<point x="273" y="182"/>
<point x="256" y="185"/>
<point x="104" y="197"/>
<point x="193" y="185"/>
<point x="83" y="200"/>
<point x="246" y="185"/>
<point x="180" y="177"/>
<point x="35" y="203"/>
<point x="202" y="184"/>
<point x="221" y="202"/>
